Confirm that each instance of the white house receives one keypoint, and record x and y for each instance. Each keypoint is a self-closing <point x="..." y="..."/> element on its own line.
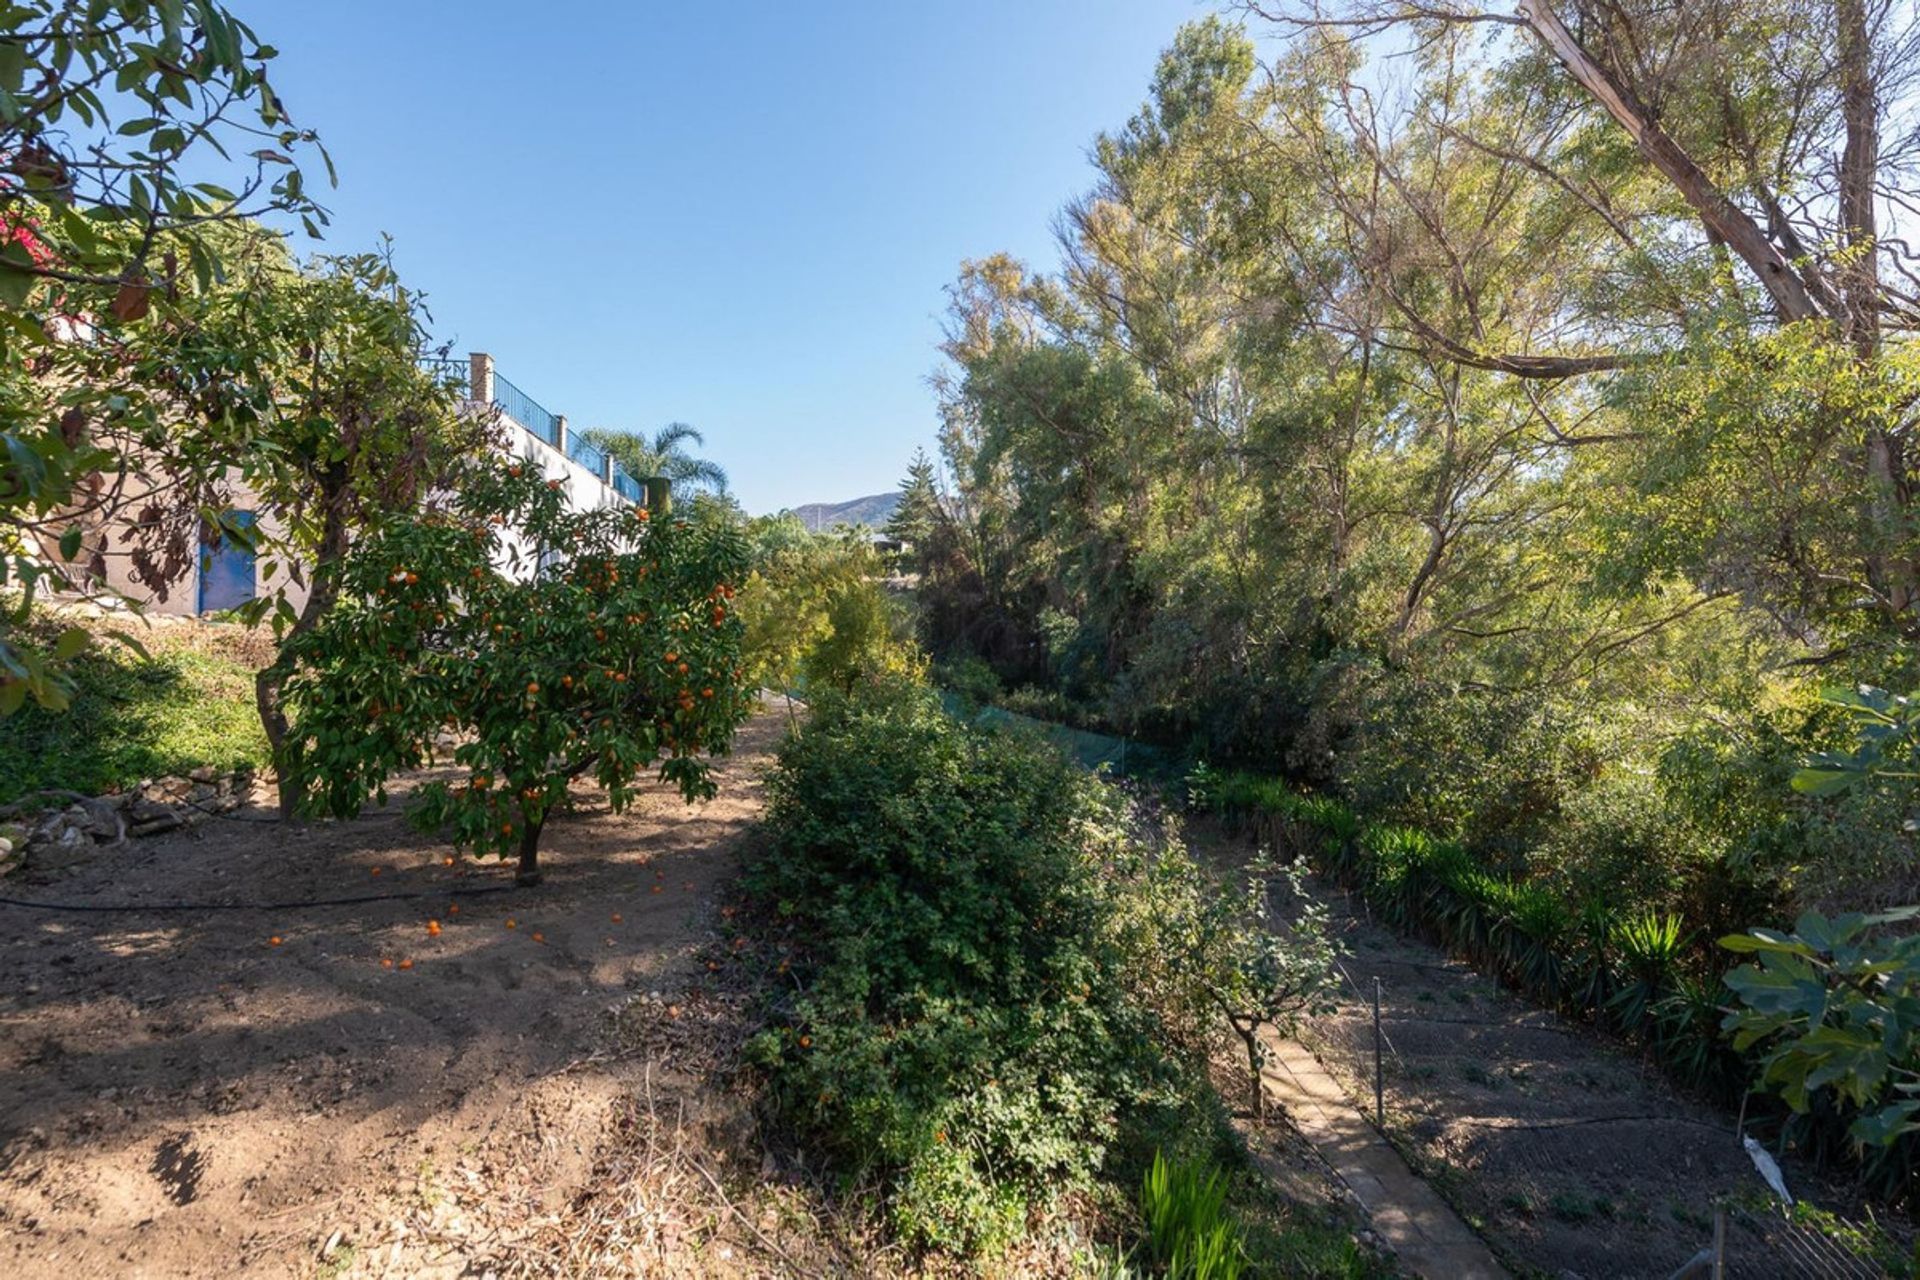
<point x="228" y="575"/>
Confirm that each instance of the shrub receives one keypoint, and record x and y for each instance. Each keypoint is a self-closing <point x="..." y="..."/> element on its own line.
<point x="968" y="1031"/>
<point x="816" y="613"/>
<point x="132" y="718"/>
<point x="970" y="680"/>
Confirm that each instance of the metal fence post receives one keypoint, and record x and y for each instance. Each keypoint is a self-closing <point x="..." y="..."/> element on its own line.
<point x="1379" y="1082"/>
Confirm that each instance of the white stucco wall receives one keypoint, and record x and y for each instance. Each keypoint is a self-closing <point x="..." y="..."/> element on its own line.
<point x="584" y="489"/>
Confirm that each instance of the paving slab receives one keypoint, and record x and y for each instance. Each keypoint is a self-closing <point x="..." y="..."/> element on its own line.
<point x="1427" y="1236"/>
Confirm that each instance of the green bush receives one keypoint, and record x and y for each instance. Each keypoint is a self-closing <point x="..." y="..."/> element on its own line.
<point x="133" y="718"/>
<point x="972" y="681"/>
<point x="970" y="1028"/>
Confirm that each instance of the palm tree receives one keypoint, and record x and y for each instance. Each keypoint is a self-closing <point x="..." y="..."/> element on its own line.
<point x="665" y="454"/>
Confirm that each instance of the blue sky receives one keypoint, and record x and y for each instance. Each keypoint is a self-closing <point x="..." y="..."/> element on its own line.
<point x="739" y="216"/>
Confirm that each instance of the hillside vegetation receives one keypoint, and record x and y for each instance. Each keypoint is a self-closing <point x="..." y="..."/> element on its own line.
<point x="1402" y="431"/>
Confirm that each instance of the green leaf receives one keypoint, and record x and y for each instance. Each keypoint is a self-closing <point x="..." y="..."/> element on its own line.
<point x="71" y="642"/>
<point x="16" y="278"/>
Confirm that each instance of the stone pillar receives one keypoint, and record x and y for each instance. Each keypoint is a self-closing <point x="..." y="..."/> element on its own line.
<point x="607" y="465"/>
<point x="560" y="432"/>
<point x="480" y="377"/>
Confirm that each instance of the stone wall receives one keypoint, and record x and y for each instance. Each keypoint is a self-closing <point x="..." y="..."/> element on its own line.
<point x="58" y="837"/>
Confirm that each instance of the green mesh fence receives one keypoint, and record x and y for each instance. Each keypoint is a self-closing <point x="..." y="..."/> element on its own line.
<point x="1119" y="756"/>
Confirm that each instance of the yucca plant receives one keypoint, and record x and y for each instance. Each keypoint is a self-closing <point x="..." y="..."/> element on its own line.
<point x="1539" y="921"/>
<point x="1390" y="871"/>
<point x="1649" y="948"/>
<point x="1686" y="1034"/>
<point x="1590" y="975"/>
<point x="1339" y="829"/>
<point x="1467" y="919"/>
<point x="1190" y="1234"/>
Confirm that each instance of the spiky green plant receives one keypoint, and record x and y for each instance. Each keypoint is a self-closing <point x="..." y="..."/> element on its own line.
<point x="1190" y="1233"/>
<point x="1649" y="947"/>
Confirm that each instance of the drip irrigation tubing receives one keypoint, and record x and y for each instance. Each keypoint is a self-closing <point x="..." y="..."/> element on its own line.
<point x="294" y="905"/>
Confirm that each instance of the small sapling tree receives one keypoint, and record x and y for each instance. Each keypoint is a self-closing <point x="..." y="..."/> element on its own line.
<point x="618" y="652"/>
<point x="1265" y="966"/>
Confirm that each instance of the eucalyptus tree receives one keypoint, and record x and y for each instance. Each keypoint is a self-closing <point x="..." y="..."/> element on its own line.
<point x="1710" y="200"/>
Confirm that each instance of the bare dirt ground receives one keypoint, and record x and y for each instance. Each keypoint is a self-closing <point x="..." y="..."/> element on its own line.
<point x="1572" y="1156"/>
<point x="181" y="1096"/>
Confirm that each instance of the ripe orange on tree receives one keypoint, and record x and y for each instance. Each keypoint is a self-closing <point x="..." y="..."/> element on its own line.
<point x="474" y="645"/>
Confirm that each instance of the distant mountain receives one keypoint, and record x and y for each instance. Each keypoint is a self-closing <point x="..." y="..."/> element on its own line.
<point x="871" y="511"/>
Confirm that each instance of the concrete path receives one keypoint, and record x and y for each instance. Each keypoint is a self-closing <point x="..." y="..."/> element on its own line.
<point x="1427" y="1237"/>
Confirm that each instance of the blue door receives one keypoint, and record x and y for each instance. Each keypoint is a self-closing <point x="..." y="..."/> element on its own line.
<point x="226" y="566"/>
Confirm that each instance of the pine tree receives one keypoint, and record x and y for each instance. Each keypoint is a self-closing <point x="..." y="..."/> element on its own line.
<point x="919" y="512"/>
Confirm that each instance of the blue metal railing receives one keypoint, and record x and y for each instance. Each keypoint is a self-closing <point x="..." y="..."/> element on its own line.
<point x="586" y="453"/>
<point x="454" y="373"/>
<point x="526" y="411"/>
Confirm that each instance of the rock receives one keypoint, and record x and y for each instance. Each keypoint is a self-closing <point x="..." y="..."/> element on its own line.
<point x="58" y="845"/>
<point x="148" y="817"/>
<point x="97" y="820"/>
<point x="205" y="773"/>
<point x="58" y="831"/>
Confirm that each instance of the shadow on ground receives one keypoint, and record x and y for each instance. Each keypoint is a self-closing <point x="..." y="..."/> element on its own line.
<point x="180" y="1093"/>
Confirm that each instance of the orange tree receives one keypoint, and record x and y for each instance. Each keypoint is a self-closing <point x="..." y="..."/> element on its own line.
<point x="548" y="643"/>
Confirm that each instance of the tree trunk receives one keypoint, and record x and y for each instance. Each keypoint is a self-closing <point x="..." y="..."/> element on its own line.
<point x="529" y="873"/>
<point x="1721" y="216"/>
<point x="1859" y="165"/>
<point x="268" y="683"/>
<point x="1860" y="294"/>
<point x="1257" y="1095"/>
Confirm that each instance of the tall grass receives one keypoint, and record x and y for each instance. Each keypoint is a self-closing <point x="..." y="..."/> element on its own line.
<point x="1190" y="1234"/>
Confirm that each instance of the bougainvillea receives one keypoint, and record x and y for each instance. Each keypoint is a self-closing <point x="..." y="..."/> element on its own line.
<point x="527" y="645"/>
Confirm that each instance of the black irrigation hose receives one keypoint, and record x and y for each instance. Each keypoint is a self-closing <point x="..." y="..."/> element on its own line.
<point x="1550" y="1125"/>
<point x="259" y="906"/>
